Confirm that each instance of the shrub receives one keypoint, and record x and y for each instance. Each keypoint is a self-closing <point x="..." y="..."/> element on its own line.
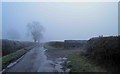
<point x="10" y="46"/>
<point x="104" y="50"/>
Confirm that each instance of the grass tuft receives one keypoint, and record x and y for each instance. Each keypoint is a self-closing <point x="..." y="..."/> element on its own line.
<point x="81" y="64"/>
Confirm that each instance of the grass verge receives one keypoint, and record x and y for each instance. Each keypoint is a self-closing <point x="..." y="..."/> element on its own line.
<point x="81" y="64"/>
<point x="6" y="60"/>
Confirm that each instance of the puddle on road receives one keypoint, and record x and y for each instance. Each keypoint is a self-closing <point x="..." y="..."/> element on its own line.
<point x="52" y="66"/>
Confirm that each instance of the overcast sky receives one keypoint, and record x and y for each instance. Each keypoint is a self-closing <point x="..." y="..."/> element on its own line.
<point x="75" y="20"/>
<point x="0" y="20"/>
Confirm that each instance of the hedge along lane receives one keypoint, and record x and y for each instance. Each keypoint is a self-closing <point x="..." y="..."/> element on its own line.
<point x="6" y="60"/>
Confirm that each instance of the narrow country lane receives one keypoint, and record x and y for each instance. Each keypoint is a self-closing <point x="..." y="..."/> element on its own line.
<point x="34" y="60"/>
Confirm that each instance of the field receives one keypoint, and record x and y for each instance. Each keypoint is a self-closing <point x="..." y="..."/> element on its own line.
<point x="77" y="63"/>
<point x="100" y="54"/>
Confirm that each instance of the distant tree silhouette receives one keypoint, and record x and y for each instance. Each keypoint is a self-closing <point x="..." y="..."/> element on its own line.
<point x="35" y="31"/>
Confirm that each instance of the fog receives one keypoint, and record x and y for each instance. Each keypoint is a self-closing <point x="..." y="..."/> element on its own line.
<point x="61" y="20"/>
<point x="0" y="20"/>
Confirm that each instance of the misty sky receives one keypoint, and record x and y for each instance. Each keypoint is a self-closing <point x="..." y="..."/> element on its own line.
<point x="0" y="20"/>
<point x="61" y="20"/>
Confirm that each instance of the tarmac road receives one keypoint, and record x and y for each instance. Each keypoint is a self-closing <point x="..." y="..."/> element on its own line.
<point x="34" y="60"/>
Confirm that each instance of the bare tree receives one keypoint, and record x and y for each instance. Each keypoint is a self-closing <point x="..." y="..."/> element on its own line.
<point x="35" y="30"/>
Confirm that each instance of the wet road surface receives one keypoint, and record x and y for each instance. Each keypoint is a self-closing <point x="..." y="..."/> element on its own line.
<point x="34" y="60"/>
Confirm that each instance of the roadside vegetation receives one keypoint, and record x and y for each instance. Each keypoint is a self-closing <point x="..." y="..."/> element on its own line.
<point x="105" y="52"/>
<point x="10" y="46"/>
<point x="80" y="63"/>
<point x="12" y="50"/>
<point x="100" y="54"/>
<point x="6" y="60"/>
